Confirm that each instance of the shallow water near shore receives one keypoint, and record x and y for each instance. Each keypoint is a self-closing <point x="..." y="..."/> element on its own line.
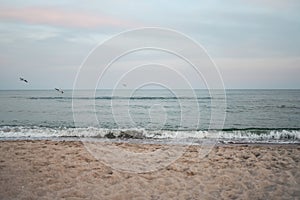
<point x="252" y="116"/>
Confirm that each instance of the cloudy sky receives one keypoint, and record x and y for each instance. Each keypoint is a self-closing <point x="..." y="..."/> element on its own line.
<point x="256" y="44"/>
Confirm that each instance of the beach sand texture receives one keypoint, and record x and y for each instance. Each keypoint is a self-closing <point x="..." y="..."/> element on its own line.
<point x="65" y="169"/>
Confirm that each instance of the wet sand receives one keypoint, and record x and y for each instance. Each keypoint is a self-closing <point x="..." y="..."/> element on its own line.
<point x="55" y="170"/>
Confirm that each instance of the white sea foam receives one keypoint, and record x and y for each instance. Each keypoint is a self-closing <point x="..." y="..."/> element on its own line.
<point x="91" y="132"/>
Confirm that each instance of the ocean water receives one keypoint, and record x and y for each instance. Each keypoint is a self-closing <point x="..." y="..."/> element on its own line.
<point x="256" y="116"/>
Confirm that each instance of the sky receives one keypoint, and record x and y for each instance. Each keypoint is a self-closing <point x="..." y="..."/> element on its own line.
<point x="255" y="44"/>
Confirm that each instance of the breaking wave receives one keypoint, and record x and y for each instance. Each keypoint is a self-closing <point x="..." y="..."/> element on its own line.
<point x="245" y="135"/>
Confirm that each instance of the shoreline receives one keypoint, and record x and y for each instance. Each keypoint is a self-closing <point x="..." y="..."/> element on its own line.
<point x="165" y="141"/>
<point x="44" y="169"/>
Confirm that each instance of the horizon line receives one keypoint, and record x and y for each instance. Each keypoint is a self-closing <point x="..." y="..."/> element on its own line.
<point x="68" y="89"/>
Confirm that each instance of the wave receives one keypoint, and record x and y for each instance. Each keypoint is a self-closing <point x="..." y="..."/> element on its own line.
<point x="289" y="106"/>
<point x="255" y="135"/>
<point x="119" y="97"/>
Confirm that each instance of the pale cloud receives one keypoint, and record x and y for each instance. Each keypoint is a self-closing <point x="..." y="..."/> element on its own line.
<point x="255" y="43"/>
<point x="260" y="72"/>
<point x="88" y="39"/>
<point x="275" y="4"/>
<point x="12" y="34"/>
<point x="58" y="17"/>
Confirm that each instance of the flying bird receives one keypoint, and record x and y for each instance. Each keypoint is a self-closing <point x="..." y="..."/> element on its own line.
<point x="59" y="90"/>
<point x="124" y="85"/>
<point x="22" y="79"/>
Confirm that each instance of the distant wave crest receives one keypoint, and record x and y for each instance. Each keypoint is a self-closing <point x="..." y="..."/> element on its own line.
<point x="119" y="97"/>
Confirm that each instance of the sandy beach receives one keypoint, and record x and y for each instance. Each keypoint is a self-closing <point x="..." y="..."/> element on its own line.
<point x="65" y="169"/>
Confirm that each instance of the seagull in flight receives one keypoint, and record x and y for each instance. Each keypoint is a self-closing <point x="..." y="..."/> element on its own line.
<point x="124" y="85"/>
<point x="22" y="79"/>
<point x="59" y="90"/>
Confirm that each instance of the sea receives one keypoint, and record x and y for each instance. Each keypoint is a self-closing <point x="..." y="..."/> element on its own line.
<point x="155" y="115"/>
